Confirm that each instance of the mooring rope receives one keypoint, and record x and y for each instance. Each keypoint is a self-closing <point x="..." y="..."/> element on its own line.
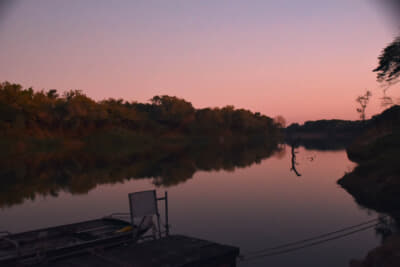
<point x="311" y="241"/>
<point x="244" y="258"/>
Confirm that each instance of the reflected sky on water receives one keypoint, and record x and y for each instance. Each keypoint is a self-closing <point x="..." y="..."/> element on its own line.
<point x="254" y="207"/>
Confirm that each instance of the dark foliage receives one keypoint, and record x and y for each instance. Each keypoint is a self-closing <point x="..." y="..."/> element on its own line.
<point x="326" y="126"/>
<point x="375" y="182"/>
<point x="51" y="143"/>
<point x="388" y="69"/>
<point x="25" y="112"/>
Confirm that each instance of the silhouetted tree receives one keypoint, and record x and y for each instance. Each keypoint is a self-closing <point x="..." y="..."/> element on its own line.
<point x="280" y="121"/>
<point x="363" y="101"/>
<point x="52" y="93"/>
<point x="388" y="69"/>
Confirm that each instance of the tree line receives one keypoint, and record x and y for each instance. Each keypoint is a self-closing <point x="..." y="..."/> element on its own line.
<point x="48" y="113"/>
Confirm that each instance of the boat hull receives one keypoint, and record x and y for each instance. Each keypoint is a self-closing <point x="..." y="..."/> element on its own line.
<point x="65" y="240"/>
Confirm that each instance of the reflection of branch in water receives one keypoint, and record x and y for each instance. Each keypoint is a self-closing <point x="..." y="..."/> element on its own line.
<point x="294" y="163"/>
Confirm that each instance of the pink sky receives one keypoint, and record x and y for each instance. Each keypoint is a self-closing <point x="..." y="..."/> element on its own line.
<point x="303" y="62"/>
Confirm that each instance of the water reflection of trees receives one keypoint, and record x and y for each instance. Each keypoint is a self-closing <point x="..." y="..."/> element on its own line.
<point x="27" y="176"/>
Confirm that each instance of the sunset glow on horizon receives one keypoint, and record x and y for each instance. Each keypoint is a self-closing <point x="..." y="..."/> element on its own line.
<point x="304" y="60"/>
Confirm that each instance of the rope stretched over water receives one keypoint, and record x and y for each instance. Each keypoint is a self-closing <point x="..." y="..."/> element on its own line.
<point x="300" y="244"/>
<point x="248" y="258"/>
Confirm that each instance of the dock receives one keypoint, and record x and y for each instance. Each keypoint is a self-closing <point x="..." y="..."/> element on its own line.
<point x="115" y="241"/>
<point x="171" y="251"/>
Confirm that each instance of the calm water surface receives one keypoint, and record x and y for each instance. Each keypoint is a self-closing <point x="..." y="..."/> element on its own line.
<point x="255" y="207"/>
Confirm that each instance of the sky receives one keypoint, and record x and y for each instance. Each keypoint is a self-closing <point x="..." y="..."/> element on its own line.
<point x="303" y="60"/>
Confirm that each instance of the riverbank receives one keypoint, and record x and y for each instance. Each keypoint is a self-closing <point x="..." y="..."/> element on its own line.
<point x="386" y="255"/>
<point x="375" y="182"/>
<point x="324" y="134"/>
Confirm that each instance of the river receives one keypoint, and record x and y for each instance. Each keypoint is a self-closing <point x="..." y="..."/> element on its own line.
<point x="252" y="206"/>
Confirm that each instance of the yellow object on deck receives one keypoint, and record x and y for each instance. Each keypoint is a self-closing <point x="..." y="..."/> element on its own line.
<point x="125" y="229"/>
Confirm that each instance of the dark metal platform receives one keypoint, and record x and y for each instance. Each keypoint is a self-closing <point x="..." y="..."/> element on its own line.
<point x="171" y="251"/>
